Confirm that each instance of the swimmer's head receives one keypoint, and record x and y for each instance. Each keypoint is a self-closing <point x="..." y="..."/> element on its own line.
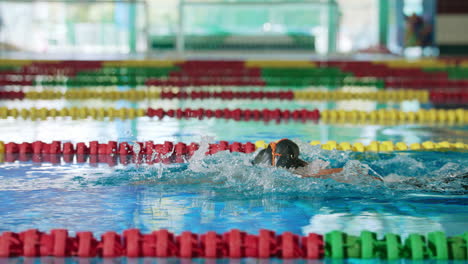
<point x="284" y="153"/>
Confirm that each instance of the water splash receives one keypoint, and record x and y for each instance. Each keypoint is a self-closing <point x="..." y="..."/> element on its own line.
<point x="136" y="148"/>
<point x="233" y="174"/>
<point x="196" y="161"/>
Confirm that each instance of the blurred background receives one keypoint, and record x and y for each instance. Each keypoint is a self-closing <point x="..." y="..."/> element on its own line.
<point x="188" y="27"/>
<point x="104" y="70"/>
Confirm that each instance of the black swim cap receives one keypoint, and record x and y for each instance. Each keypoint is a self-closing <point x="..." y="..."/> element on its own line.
<point x="284" y="153"/>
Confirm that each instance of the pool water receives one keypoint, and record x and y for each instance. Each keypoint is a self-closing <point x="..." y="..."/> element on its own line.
<point x="421" y="192"/>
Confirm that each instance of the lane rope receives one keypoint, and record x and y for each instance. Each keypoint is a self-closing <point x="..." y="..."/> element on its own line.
<point x="138" y="95"/>
<point x="432" y="116"/>
<point x="233" y="244"/>
<point x="402" y="74"/>
<point x="170" y="152"/>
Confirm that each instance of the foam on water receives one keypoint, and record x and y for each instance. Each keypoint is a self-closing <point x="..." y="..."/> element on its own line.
<point x="421" y="192"/>
<point x="226" y="172"/>
<point x="233" y="173"/>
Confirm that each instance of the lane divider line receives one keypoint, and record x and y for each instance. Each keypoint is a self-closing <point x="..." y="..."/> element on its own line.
<point x="172" y="152"/>
<point x="232" y="244"/>
<point x="433" y="116"/>
<point x="138" y="95"/>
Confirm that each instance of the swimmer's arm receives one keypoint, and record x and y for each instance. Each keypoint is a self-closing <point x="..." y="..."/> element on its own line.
<point x="320" y="174"/>
<point x="326" y="174"/>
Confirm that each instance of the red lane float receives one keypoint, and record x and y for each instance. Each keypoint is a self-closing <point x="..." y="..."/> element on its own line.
<point x="63" y="68"/>
<point x="23" y="81"/>
<point x="161" y="243"/>
<point x="11" y="95"/>
<point x="113" y="153"/>
<point x="371" y="69"/>
<point x="426" y="84"/>
<point x="228" y="95"/>
<point x="448" y="96"/>
<point x="123" y="148"/>
<point x="236" y="114"/>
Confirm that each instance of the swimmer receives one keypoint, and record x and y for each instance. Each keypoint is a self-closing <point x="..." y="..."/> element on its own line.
<point x="285" y="154"/>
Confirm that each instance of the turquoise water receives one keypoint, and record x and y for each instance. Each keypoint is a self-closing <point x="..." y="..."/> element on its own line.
<point x="421" y="192"/>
